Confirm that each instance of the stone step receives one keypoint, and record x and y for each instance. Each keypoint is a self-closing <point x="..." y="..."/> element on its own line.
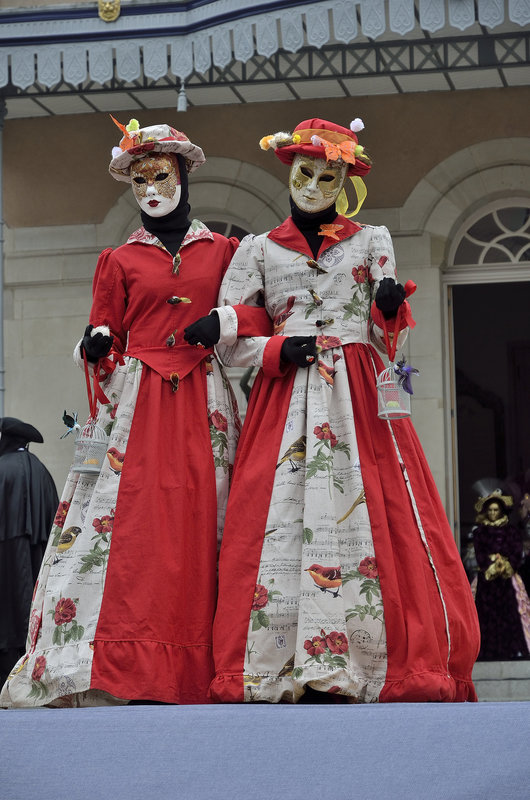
<point x="502" y="681"/>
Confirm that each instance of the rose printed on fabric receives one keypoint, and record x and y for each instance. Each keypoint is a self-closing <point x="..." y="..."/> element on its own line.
<point x="337" y="642"/>
<point x="38" y="688"/>
<point x="368" y="567"/>
<point x="359" y="274"/>
<point x="315" y="646"/>
<point x="218" y="425"/>
<point x="262" y="597"/>
<point x="66" y="626"/>
<point x="219" y="421"/>
<point x="327" y="445"/>
<point x="38" y="669"/>
<point x="359" y="305"/>
<point x="324" y="432"/>
<point x="327" y="649"/>
<point x="65" y="611"/>
<point x="98" y="555"/>
<point x="62" y="511"/>
<point x="367" y="573"/>
<point x="111" y="409"/>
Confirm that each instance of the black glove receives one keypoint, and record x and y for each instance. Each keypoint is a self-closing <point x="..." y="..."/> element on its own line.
<point x="300" y="350"/>
<point x="205" y="331"/>
<point x="97" y="346"/>
<point x="389" y="296"/>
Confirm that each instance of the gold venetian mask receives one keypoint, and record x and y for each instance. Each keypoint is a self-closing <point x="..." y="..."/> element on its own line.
<point x="314" y="183"/>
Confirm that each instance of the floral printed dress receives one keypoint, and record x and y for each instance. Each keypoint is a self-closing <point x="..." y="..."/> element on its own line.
<point x="124" y="602"/>
<point x="338" y="569"/>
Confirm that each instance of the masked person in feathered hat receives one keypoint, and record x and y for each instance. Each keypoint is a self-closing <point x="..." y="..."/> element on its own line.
<point x="338" y="570"/>
<point x="125" y="599"/>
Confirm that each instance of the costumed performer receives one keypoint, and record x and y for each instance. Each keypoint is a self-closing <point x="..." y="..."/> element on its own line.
<point x="502" y="601"/>
<point x="338" y="570"/>
<point x="29" y="502"/>
<point x="125" y="599"/>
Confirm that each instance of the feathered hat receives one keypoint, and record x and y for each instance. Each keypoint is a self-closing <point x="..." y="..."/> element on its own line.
<point x="137" y="142"/>
<point x="318" y="138"/>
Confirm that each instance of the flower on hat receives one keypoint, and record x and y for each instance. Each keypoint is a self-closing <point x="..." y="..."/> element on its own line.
<point x="357" y="125"/>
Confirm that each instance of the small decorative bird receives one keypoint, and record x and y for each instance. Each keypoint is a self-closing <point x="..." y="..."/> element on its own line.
<point x="326" y="578"/>
<point x="317" y="300"/>
<point x="326" y="372"/>
<point x="296" y="452"/>
<point x="67" y="538"/>
<point x="404" y="373"/>
<point x="315" y="265"/>
<point x="115" y="460"/>
<point x="281" y="318"/>
<point x="70" y="420"/>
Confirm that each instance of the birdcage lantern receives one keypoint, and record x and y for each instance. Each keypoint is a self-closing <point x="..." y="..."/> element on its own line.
<point x="90" y="448"/>
<point x="393" y="402"/>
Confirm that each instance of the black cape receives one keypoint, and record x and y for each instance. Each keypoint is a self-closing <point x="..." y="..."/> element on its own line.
<point x="28" y="504"/>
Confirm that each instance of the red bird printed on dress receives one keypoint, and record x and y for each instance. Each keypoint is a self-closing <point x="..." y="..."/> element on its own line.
<point x="115" y="460"/>
<point x="327" y="372"/>
<point x="281" y="318"/>
<point x="326" y="578"/>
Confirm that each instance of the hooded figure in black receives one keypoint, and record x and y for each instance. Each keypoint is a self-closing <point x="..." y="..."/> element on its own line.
<point x="28" y="505"/>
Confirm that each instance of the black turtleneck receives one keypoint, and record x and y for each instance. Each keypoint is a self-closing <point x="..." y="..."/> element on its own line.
<point x="309" y="224"/>
<point x="172" y="228"/>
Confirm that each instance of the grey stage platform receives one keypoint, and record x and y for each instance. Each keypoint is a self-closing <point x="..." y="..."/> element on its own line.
<point x="380" y="752"/>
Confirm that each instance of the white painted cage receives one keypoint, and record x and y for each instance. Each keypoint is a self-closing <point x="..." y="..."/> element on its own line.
<point x="393" y="402"/>
<point x="90" y="449"/>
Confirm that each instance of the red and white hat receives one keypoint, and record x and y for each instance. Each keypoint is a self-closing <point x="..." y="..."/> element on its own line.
<point x="138" y="142"/>
<point x="318" y="138"/>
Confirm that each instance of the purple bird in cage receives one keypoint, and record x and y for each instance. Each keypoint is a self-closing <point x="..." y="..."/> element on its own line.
<point x="404" y="371"/>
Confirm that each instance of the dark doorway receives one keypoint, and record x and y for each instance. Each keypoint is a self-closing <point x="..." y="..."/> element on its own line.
<point x="492" y="377"/>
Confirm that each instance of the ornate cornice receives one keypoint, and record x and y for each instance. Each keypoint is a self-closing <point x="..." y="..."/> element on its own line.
<point x="73" y="44"/>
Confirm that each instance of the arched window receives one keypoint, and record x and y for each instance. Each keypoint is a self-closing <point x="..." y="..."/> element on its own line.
<point x="498" y="236"/>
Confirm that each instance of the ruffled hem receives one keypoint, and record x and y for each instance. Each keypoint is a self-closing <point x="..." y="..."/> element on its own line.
<point x="425" y="687"/>
<point x="148" y="670"/>
<point x="428" y="687"/>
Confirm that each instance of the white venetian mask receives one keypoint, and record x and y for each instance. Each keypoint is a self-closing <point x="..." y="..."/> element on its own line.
<point x="155" y="181"/>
